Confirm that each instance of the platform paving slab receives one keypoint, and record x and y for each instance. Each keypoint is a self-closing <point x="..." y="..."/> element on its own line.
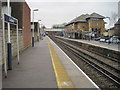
<point x="34" y="71"/>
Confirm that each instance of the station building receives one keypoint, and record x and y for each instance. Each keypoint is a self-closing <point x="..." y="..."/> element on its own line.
<point x="21" y="11"/>
<point x="86" y="24"/>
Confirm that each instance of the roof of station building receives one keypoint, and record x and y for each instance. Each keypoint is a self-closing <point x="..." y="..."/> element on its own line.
<point x="83" y="17"/>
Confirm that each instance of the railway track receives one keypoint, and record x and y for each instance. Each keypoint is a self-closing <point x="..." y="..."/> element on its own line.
<point x="107" y="70"/>
<point x="107" y="55"/>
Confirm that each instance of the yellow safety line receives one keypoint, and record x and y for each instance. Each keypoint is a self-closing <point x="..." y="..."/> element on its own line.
<point x="63" y="80"/>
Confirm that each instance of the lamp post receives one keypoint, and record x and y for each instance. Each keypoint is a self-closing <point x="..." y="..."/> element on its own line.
<point x="33" y="28"/>
<point x="38" y="37"/>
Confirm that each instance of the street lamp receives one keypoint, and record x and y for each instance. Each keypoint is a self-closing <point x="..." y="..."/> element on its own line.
<point x="38" y="37"/>
<point x="33" y="28"/>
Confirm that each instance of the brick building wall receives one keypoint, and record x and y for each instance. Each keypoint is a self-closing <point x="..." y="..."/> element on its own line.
<point x="87" y="27"/>
<point x="26" y="25"/>
<point x="69" y="27"/>
<point x="21" y="11"/>
<point x="117" y="30"/>
<point x="17" y="12"/>
<point x="97" y="24"/>
<point x="82" y="26"/>
<point x="75" y="26"/>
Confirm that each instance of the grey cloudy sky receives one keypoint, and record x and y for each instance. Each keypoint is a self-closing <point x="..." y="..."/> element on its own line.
<point x="60" y="11"/>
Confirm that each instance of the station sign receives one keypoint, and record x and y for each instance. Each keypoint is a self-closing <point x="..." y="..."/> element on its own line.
<point x="9" y="19"/>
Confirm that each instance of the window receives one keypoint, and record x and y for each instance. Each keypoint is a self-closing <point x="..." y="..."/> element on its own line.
<point x="94" y="18"/>
<point x="94" y="23"/>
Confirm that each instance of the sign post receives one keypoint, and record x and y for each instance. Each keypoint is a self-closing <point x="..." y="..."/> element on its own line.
<point x="18" y="45"/>
<point x="4" y="53"/>
<point x="9" y="45"/>
<point x="10" y="20"/>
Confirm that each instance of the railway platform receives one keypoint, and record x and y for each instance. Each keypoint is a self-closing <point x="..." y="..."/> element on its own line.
<point x="46" y="66"/>
<point x="111" y="46"/>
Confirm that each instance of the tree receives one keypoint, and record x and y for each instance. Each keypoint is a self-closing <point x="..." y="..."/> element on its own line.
<point x="113" y="18"/>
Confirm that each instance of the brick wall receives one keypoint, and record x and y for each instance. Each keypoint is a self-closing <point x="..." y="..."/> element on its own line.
<point x="101" y="25"/>
<point x="117" y="29"/>
<point x="82" y="26"/>
<point x="17" y="12"/>
<point x="26" y="25"/>
<point x="21" y="11"/>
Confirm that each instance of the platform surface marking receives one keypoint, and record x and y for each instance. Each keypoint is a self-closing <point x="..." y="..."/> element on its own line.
<point x="63" y="80"/>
